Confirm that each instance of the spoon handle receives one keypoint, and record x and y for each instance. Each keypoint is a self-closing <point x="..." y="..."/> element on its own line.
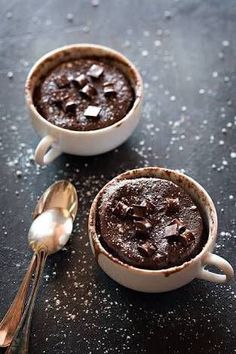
<point x="12" y="318"/>
<point x="20" y="342"/>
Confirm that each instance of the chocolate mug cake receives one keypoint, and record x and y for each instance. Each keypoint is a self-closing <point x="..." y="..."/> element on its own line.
<point x="84" y="94"/>
<point x="149" y="223"/>
<point x="83" y="99"/>
<point x="154" y="230"/>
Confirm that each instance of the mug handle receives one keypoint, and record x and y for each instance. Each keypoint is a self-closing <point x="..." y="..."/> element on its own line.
<point x="220" y="263"/>
<point x="46" y="152"/>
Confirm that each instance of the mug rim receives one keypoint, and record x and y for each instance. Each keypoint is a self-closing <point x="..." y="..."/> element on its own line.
<point x="146" y="170"/>
<point x="119" y="57"/>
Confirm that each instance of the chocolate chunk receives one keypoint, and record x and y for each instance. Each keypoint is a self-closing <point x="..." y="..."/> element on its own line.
<point x="92" y="111"/>
<point x="174" y="230"/>
<point x="171" y="231"/>
<point x="88" y="91"/>
<point x="95" y="71"/>
<point x="187" y="237"/>
<point x="181" y="226"/>
<point x="146" y="249"/>
<point x="62" y="81"/>
<point x="138" y="211"/>
<point x="69" y="107"/>
<point x="109" y="90"/>
<point x="80" y="80"/>
<point x="121" y="209"/>
<point x="172" y="205"/>
<point x="142" y="227"/>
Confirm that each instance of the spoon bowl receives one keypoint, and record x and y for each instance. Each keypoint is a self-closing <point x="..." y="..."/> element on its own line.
<point x="51" y="230"/>
<point x="61" y="194"/>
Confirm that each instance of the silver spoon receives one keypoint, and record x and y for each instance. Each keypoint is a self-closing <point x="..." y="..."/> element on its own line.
<point x="49" y="232"/>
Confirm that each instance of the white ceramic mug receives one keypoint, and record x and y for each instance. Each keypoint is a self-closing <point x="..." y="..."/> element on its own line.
<point x="171" y="278"/>
<point x="56" y="140"/>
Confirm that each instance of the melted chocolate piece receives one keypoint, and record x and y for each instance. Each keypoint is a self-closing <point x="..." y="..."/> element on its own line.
<point x="121" y="235"/>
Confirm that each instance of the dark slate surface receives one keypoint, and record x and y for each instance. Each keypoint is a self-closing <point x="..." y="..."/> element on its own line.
<point x="186" y="53"/>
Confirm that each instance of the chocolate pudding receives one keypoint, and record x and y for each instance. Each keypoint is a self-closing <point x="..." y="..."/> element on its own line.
<point x="84" y="94"/>
<point x="149" y="223"/>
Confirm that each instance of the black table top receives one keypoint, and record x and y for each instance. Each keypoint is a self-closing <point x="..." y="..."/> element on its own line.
<point x="185" y="51"/>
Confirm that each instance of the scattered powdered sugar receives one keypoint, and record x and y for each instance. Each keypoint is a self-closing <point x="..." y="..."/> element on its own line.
<point x="233" y="155"/>
<point x="225" y="43"/>
<point x="80" y="309"/>
<point x="70" y="17"/>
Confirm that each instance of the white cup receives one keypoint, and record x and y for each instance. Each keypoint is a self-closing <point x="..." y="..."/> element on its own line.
<point x="172" y="278"/>
<point x="56" y="140"/>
